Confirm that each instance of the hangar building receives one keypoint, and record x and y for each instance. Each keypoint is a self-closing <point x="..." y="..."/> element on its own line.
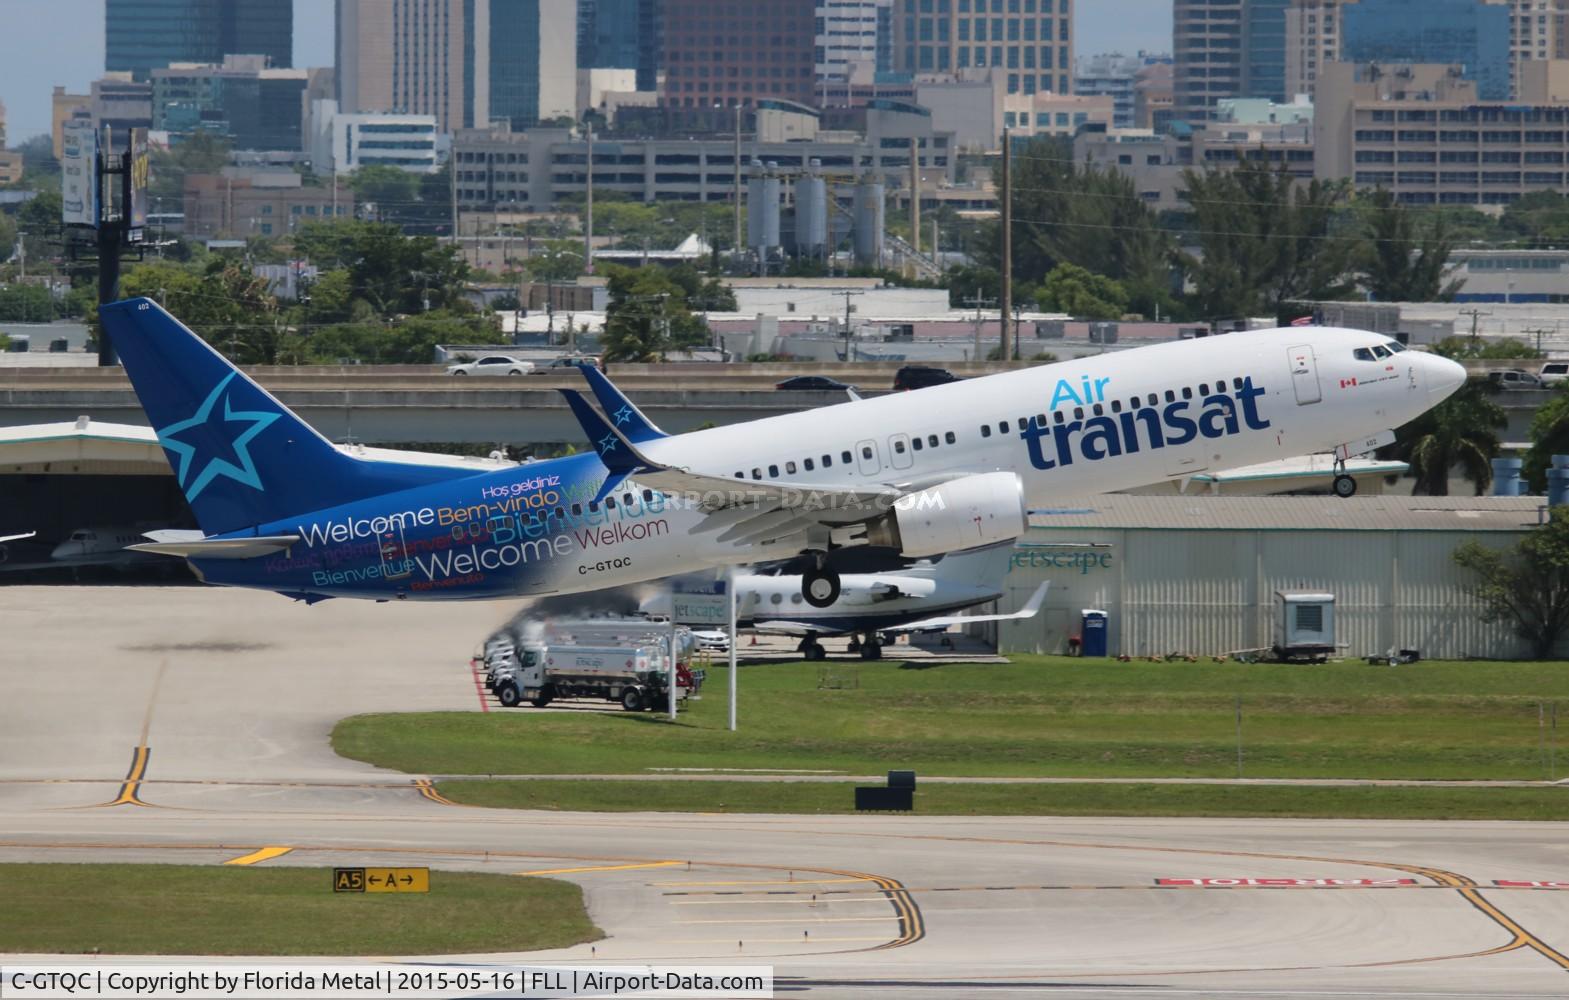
<point x="1198" y="575"/>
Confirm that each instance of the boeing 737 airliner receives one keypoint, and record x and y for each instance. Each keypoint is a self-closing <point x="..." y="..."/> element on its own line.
<point x="945" y="469"/>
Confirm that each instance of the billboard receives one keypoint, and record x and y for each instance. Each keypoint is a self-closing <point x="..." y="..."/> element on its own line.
<point x="136" y="211"/>
<point x="700" y="602"/>
<point x="79" y="187"/>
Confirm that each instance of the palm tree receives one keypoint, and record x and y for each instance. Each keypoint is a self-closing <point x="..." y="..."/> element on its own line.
<point x="1461" y="431"/>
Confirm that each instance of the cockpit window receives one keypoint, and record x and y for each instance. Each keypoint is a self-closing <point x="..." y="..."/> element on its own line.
<point x="1362" y="354"/>
<point x="1382" y="351"/>
<point x="1395" y="346"/>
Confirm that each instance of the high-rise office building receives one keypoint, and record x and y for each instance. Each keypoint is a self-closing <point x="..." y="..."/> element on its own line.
<point x="1207" y="40"/>
<point x="1452" y="32"/>
<point x="424" y="57"/>
<point x="143" y="35"/>
<point x="620" y="34"/>
<point x="1028" y="42"/>
<point x="533" y="61"/>
<point x="1264" y="49"/>
<point x="724" y="52"/>
<point x="854" y="39"/>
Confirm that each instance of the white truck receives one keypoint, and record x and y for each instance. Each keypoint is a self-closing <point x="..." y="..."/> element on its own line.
<point x="635" y="674"/>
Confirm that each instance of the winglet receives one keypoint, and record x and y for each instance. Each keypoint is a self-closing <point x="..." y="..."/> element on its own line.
<point x="627" y="418"/>
<point x="612" y="448"/>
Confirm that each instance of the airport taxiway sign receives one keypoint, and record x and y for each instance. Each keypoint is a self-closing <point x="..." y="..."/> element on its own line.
<point x="381" y="880"/>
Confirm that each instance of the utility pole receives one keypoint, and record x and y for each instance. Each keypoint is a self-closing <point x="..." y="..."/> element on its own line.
<point x="735" y="249"/>
<point x="1475" y="314"/>
<point x="1539" y="332"/>
<point x="976" y="301"/>
<point x="848" y="295"/>
<point x="915" y="195"/>
<point x="452" y="190"/>
<point x="1006" y="343"/>
<point x="588" y="219"/>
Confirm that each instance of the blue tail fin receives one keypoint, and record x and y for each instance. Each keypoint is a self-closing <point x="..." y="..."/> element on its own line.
<point x="240" y="456"/>
<point x="629" y="419"/>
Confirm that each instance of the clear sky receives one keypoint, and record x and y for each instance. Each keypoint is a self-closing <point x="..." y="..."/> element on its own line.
<point x="49" y="42"/>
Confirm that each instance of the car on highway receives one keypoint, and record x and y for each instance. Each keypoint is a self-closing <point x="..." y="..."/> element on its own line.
<point x="1515" y="379"/>
<point x="814" y="383"/>
<point x="1554" y="373"/>
<point x="567" y="363"/>
<point x="492" y="364"/>
<point x="920" y="376"/>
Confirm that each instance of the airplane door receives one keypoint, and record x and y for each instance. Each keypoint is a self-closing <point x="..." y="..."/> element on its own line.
<point x="866" y="456"/>
<point x="395" y="561"/>
<point x="899" y="453"/>
<point x="1304" y="374"/>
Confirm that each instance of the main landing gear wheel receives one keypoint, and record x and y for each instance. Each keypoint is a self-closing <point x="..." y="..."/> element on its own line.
<point x="814" y="651"/>
<point x="872" y="648"/>
<point x="820" y="587"/>
<point x="1345" y="486"/>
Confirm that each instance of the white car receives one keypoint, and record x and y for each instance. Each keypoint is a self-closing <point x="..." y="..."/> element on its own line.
<point x="711" y="640"/>
<point x="495" y="364"/>
<point x="1554" y="372"/>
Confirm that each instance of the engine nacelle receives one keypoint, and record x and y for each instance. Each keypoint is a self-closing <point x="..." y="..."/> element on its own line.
<point x="965" y="513"/>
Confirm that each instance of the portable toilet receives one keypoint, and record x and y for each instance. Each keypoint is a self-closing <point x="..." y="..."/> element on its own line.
<point x="1304" y="626"/>
<point x="1092" y="632"/>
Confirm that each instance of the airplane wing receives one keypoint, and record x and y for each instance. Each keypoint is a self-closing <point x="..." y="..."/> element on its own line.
<point x="213" y="548"/>
<point x="795" y="628"/>
<point x="1031" y="608"/>
<point x="17" y="538"/>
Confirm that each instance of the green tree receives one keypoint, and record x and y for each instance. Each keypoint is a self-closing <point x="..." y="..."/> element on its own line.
<point x="1549" y="437"/>
<point x="1073" y="290"/>
<point x="1265" y="240"/>
<point x="1461" y="431"/>
<point x="647" y="316"/>
<point x="200" y="152"/>
<point x="8" y="231"/>
<point x="26" y="304"/>
<point x="386" y="191"/>
<point x="703" y="294"/>
<point x="555" y="260"/>
<point x="391" y="273"/>
<point x="1404" y="260"/>
<point x="409" y="341"/>
<point x="1528" y="588"/>
<point x="1500" y="349"/>
<point x="1539" y="219"/>
<point x="228" y="306"/>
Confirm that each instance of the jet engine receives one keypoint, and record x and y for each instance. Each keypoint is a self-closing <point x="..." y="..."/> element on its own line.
<point x="960" y="514"/>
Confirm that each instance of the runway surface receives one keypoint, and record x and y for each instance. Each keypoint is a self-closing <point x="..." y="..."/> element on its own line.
<point x="190" y="725"/>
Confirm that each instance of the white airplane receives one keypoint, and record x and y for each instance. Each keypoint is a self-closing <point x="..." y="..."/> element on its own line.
<point x="946" y="469"/>
<point x="99" y="546"/>
<point x="925" y="597"/>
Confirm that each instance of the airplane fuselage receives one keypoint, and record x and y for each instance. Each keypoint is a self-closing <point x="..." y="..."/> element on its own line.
<point x="1090" y="425"/>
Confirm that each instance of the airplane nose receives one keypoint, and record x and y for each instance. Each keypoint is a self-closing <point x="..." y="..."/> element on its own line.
<point x="1444" y="377"/>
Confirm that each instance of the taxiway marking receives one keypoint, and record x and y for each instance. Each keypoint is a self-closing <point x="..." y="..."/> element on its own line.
<point x="602" y="868"/>
<point x="258" y="856"/>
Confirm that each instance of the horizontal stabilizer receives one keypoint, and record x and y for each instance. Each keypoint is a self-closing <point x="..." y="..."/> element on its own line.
<point x="219" y="548"/>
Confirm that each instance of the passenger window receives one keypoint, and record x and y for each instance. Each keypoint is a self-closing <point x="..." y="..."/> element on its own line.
<point x="845" y="457"/>
<point x="1078" y="413"/>
<point x="1154" y="399"/>
<point x="1187" y="392"/>
<point x="789" y="468"/>
<point x="809" y="465"/>
<point x="560" y="514"/>
<point x="931" y="439"/>
<point x="1116" y="406"/>
<point x="898" y="447"/>
<point x="776" y="598"/>
<point x="915" y="443"/>
<point x="1171" y="396"/>
<point x="795" y="598"/>
<point x="1203" y="388"/>
<point x="593" y="507"/>
<point x="866" y="451"/>
<point x="610" y="502"/>
<point x="1057" y="416"/>
<point x="740" y="475"/>
<point x="757" y="473"/>
<point x="1002" y="427"/>
<point x="986" y="430"/>
<point x="1236" y="383"/>
<point x="773" y="472"/>
<point x="626" y="499"/>
<point x="648" y="496"/>
<point x="828" y="461"/>
<point x="1362" y="354"/>
<point x="951" y="438"/>
<point x="1099" y="410"/>
<point x="1040" y="420"/>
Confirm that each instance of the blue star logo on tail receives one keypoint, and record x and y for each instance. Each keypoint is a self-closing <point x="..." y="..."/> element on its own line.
<point x="607" y="444"/>
<point x="623" y="415"/>
<point x="210" y="429"/>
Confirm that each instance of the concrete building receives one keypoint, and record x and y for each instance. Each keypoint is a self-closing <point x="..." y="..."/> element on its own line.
<point x="1422" y="132"/>
<point x="1041" y="114"/>
<point x="345" y="142"/>
<point x="1511" y="277"/>
<point x="1198" y="575"/>
<point x="238" y="204"/>
<point x="120" y="103"/>
<point x="968" y="104"/>
<point x="1471" y="34"/>
<point x="256" y="107"/>
<point x="854" y="40"/>
<point x="11" y="168"/>
<point x="768" y="51"/>
<point x="1207" y="56"/>
<point x="63" y="108"/>
<point x="423" y="57"/>
<point x="533" y="61"/>
<point x="499" y="169"/>
<point x="1312" y="40"/>
<point x="1152" y="97"/>
<point x="1032" y="46"/>
<point x="1114" y="75"/>
<point x="143" y="35"/>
